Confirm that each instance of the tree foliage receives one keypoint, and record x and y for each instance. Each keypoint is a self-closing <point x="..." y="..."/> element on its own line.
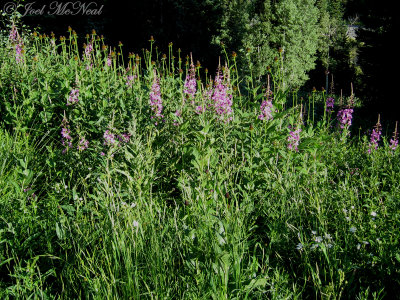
<point x="262" y="27"/>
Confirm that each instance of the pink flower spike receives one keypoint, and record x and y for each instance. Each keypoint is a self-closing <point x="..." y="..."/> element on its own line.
<point x="222" y="97"/>
<point x="155" y="98"/>
<point x="375" y="136"/>
<point x="330" y="102"/>
<point x="109" y="138"/>
<point x="266" y="110"/>
<point x="294" y="139"/>
<point x="73" y="97"/>
<point x="394" y="141"/>
<point x="190" y="85"/>
<point x="344" y="117"/>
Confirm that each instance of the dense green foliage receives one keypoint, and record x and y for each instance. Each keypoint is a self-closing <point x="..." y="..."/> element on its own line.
<point x="191" y="204"/>
<point x="261" y="27"/>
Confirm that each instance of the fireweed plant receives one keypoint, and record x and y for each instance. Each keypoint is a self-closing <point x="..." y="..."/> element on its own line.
<point x="143" y="177"/>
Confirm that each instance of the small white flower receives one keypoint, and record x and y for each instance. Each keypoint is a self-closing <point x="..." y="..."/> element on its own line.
<point x="135" y="223"/>
<point x="353" y="229"/>
<point x="313" y="232"/>
<point x="348" y="219"/>
<point x="329" y="246"/>
<point x="328" y="236"/>
<point x="123" y="204"/>
<point x="365" y="243"/>
<point x="373" y="214"/>
<point x="299" y="246"/>
<point x="133" y="205"/>
<point x="318" y="239"/>
<point x="345" y="210"/>
<point x="314" y="246"/>
<point x="352" y="207"/>
<point x="358" y="246"/>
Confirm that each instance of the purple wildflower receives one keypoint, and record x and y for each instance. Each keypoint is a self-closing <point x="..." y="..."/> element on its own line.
<point x="330" y="102"/>
<point x="13" y="37"/>
<point x="394" y="141"/>
<point x="73" y="97"/>
<point x="19" y="52"/>
<point x="65" y="133"/>
<point x="66" y="138"/>
<point x="266" y="110"/>
<point x="345" y="116"/>
<point x="88" y="50"/>
<point x="293" y="139"/>
<point x="222" y="98"/>
<point x="83" y="144"/>
<point x="190" y="83"/>
<point x="375" y="136"/>
<point x="109" y="61"/>
<point x="129" y="80"/>
<point x="155" y="98"/>
<point x="124" y="137"/>
<point x="109" y="138"/>
<point x="207" y="95"/>
<point x="200" y="109"/>
<point x="16" y="39"/>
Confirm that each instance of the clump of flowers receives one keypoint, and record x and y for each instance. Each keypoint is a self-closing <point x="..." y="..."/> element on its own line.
<point x="222" y="97"/>
<point x="394" y="141"/>
<point x="266" y="110"/>
<point x="190" y="85"/>
<point x="129" y="80"/>
<point x="88" y="50"/>
<point x="109" y="61"/>
<point x="344" y="117"/>
<point x="112" y="139"/>
<point x="66" y="138"/>
<point x="16" y="40"/>
<point x="317" y="242"/>
<point x="375" y="137"/>
<point x="109" y="138"/>
<point x="200" y="109"/>
<point x="330" y="102"/>
<point x="73" y="97"/>
<point x="294" y="139"/>
<point x="19" y="57"/>
<point x="266" y="106"/>
<point x="83" y="144"/>
<point x="155" y="99"/>
<point x="13" y="37"/>
<point x="124" y="137"/>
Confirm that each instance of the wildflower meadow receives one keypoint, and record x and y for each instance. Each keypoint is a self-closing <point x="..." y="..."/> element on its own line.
<point x="147" y="176"/>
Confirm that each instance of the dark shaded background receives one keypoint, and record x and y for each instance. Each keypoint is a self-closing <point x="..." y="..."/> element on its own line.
<point x="188" y="24"/>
